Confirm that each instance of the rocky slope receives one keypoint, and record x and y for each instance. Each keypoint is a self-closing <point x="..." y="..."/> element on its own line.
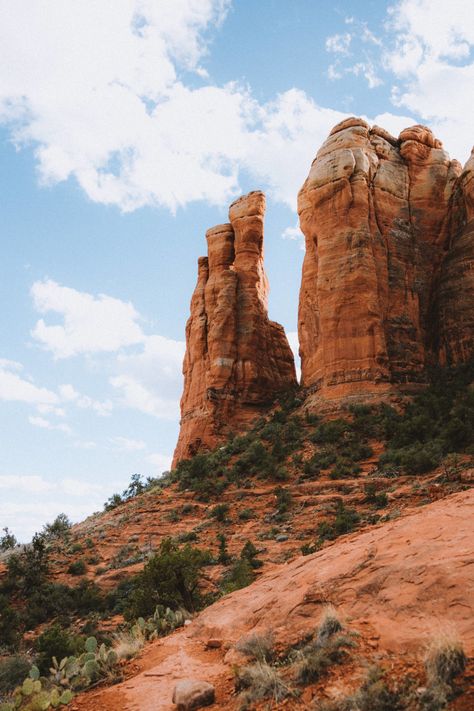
<point x="236" y="359"/>
<point x="395" y="584"/>
<point x="388" y="277"/>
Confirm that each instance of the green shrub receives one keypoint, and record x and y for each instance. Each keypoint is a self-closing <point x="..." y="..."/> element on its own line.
<point x="59" y="528"/>
<point x="284" y="500"/>
<point x="249" y="552"/>
<point x="12" y="672"/>
<point x="223" y="555"/>
<point x="330" y="432"/>
<point x="220" y="512"/>
<point x="246" y="514"/>
<point x="55" y="642"/>
<point x="8" y="540"/>
<point x="170" y="578"/>
<point x="344" y="468"/>
<point x="239" y="576"/>
<point x="345" y="520"/>
<point x="77" y="567"/>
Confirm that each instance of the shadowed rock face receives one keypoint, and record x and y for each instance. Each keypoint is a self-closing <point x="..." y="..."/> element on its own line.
<point x="387" y="284"/>
<point x="236" y="359"/>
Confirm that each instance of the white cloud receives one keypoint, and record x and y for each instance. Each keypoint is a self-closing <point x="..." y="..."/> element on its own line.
<point x="90" y="324"/>
<point x="294" y="234"/>
<point x="127" y="444"/>
<point x="47" y="425"/>
<point x="339" y="43"/>
<point x="14" y="388"/>
<point x="98" y="89"/>
<point x="430" y="56"/>
<point x="151" y="381"/>
<point x="28" y="484"/>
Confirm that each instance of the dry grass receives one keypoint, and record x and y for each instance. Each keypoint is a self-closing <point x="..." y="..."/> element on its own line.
<point x="445" y="657"/>
<point x="260" y="681"/>
<point x="257" y="646"/>
<point x="127" y="645"/>
<point x="329" y="624"/>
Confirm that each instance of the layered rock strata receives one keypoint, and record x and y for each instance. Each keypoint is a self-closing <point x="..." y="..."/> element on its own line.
<point x="388" y="280"/>
<point x="236" y="359"/>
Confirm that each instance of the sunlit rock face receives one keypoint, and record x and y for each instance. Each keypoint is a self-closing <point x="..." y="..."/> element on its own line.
<point x="236" y="360"/>
<point x="387" y="283"/>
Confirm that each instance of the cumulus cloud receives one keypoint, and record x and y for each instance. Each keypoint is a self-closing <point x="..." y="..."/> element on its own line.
<point x="90" y="324"/>
<point x="151" y="380"/>
<point x="47" y="425"/>
<point x="15" y="388"/>
<point x="128" y="445"/>
<point x="431" y="57"/>
<point x="99" y="90"/>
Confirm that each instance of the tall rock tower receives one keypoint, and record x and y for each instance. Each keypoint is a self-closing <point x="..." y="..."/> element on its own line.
<point x="388" y="281"/>
<point x="236" y="359"/>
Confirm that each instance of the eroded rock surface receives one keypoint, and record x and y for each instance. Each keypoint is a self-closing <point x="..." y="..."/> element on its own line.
<point x="236" y="359"/>
<point x="388" y="277"/>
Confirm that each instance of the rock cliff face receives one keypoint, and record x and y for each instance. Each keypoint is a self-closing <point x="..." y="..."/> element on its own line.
<point x="236" y="359"/>
<point x="388" y="276"/>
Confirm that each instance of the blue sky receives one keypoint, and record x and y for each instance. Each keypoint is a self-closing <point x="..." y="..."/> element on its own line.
<point x="126" y="128"/>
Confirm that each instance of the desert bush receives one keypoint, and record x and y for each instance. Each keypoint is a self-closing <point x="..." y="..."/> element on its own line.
<point x="128" y="643"/>
<point x="171" y="578"/>
<point x="258" y="682"/>
<point x="372" y="496"/>
<point x="55" y="642"/>
<point x="373" y="695"/>
<point x="238" y="576"/>
<point x="59" y="528"/>
<point x="8" y="540"/>
<point x="77" y="567"/>
<point x="260" y="647"/>
<point x="445" y="658"/>
<point x="249" y="552"/>
<point x="12" y="672"/>
<point x="345" y="520"/>
<point x="223" y="556"/>
<point x="284" y="500"/>
<point x="219" y="512"/>
<point x="246" y="515"/>
<point x="328" y="625"/>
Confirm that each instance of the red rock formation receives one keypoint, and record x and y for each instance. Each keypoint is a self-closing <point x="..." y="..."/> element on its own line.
<point x="236" y="359"/>
<point x="383" y="228"/>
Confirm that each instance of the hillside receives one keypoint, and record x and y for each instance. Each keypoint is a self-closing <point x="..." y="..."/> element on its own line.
<point x="394" y="585"/>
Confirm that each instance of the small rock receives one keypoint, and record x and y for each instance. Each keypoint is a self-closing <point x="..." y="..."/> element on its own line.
<point x="213" y="643"/>
<point x="191" y="694"/>
<point x="187" y="622"/>
<point x="281" y="537"/>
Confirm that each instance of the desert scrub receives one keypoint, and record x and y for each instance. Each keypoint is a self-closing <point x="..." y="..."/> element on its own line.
<point x="259" y="647"/>
<point x="326" y="648"/>
<point x="345" y="520"/>
<point x="171" y="578"/>
<point x="373" y="695"/>
<point x="12" y="672"/>
<point x="445" y="658"/>
<point x="258" y="682"/>
<point x="77" y="567"/>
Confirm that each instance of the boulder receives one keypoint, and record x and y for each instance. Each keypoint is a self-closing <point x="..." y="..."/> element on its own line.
<point x="191" y="694"/>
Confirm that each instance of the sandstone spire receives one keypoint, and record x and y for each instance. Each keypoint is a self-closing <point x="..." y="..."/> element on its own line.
<point x="236" y="359"/>
<point x="385" y="222"/>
